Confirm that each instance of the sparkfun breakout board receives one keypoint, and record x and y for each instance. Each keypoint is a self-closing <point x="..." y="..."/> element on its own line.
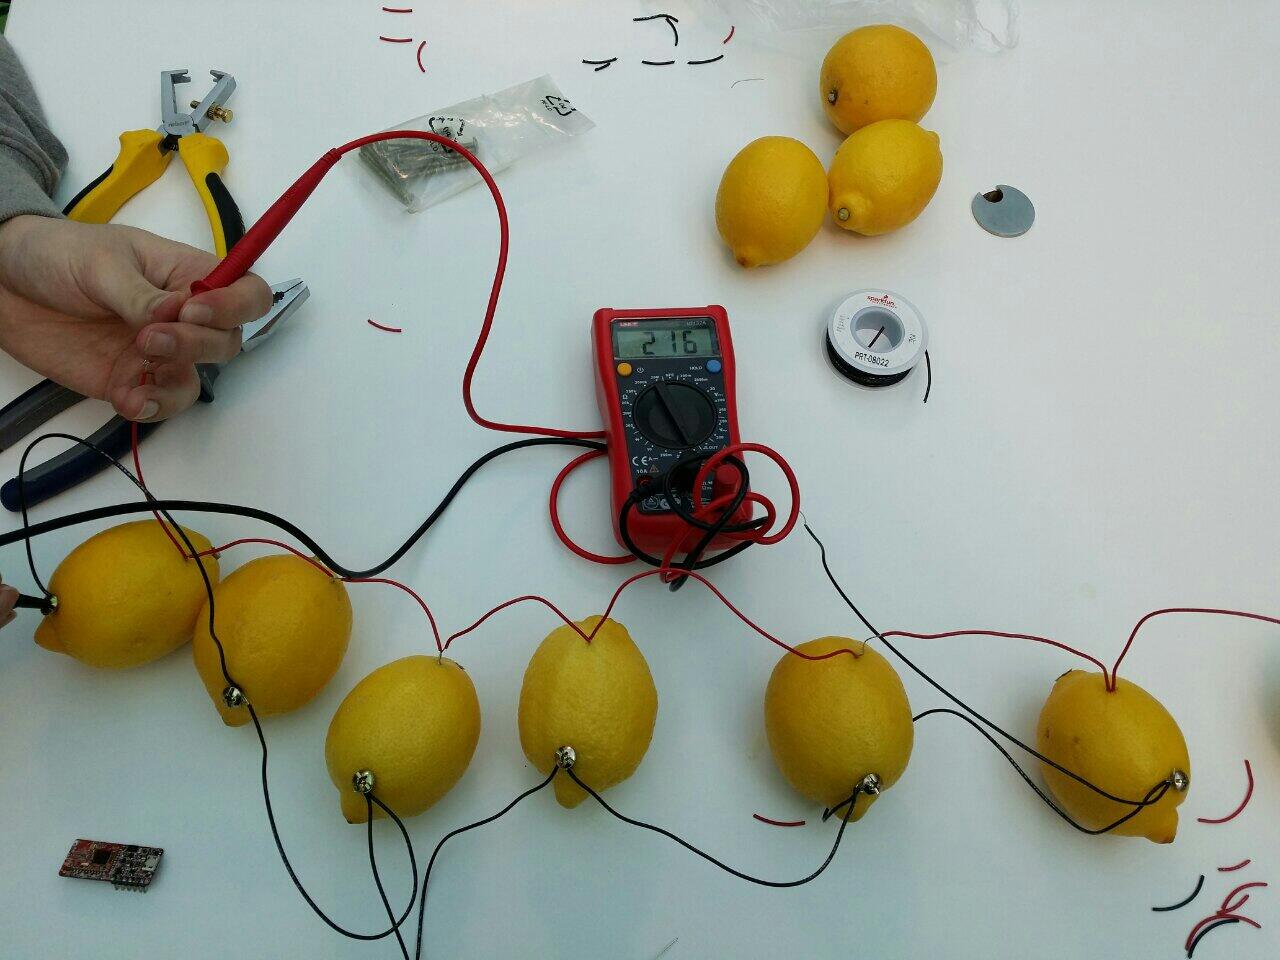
<point x="126" y="866"/>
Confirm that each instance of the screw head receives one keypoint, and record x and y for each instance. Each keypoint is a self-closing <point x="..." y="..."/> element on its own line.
<point x="842" y="214"/>
<point x="566" y="757"/>
<point x="362" y="782"/>
<point x="1179" y="780"/>
<point x="233" y="696"/>
<point x="870" y="785"/>
<point x="831" y="95"/>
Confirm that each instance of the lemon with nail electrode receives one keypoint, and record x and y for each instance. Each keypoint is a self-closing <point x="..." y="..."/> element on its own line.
<point x="833" y="722"/>
<point x="1122" y="741"/>
<point x="597" y="697"/>
<point x="413" y="724"/>
<point x="881" y="72"/>
<point x="284" y="626"/>
<point x="883" y="176"/>
<point x="771" y="201"/>
<point x="126" y="596"/>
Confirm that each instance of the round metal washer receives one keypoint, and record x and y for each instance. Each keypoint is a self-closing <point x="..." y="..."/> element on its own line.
<point x="1005" y="211"/>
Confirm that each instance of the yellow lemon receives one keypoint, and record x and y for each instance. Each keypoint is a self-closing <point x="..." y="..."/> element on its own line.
<point x="1124" y="742"/>
<point x="126" y="596"/>
<point x="770" y="202"/>
<point x="877" y="73"/>
<point x="832" y="722"/>
<point x="413" y="724"/>
<point x="596" y="697"/>
<point x="284" y="627"/>
<point x="883" y="176"/>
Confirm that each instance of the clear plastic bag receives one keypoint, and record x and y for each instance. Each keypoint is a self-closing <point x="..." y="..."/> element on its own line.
<point x="799" y="26"/>
<point x="499" y="129"/>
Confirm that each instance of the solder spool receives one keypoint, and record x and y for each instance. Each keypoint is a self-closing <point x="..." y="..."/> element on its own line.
<point x="875" y="337"/>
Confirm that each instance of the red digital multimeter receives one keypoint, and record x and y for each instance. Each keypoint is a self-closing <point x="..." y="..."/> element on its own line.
<point x="665" y="383"/>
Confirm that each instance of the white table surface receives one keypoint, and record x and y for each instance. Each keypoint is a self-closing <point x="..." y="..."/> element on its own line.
<point x="1100" y="441"/>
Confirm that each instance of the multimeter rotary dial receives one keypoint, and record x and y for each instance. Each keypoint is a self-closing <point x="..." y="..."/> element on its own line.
<point x="674" y="415"/>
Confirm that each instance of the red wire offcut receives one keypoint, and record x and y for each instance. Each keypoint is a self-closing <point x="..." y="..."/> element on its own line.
<point x="779" y="823"/>
<point x="1248" y="794"/>
<point x="1239" y="866"/>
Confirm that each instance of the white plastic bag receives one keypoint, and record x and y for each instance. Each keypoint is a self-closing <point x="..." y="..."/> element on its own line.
<point x="499" y="129"/>
<point x="800" y="26"/>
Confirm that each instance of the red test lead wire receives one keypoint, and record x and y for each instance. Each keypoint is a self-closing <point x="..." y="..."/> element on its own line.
<point x="262" y="234"/>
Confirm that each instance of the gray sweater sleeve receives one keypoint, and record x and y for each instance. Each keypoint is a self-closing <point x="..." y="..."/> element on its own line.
<point x="31" y="157"/>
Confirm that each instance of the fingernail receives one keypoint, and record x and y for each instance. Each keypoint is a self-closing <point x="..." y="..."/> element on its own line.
<point x="149" y="410"/>
<point x="160" y="345"/>
<point x="198" y="313"/>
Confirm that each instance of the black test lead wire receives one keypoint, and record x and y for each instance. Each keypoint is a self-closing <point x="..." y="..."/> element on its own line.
<point x="152" y="504"/>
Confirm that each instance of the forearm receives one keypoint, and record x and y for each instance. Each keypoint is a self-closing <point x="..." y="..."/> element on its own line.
<point x="31" y="157"/>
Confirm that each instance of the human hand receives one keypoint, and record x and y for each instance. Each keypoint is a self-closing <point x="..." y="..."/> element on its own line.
<point x="87" y="304"/>
<point x="8" y="598"/>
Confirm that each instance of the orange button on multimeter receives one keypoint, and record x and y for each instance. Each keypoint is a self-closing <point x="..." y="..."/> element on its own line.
<point x="665" y="382"/>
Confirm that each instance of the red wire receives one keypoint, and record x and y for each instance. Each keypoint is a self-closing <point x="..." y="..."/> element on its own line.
<point x="383" y="326"/>
<point x="779" y="823"/>
<point x="761" y="536"/>
<point x="1239" y="866"/>
<point x="504" y="242"/>
<point x="657" y="571"/>
<point x="998" y="633"/>
<point x="1227" y="908"/>
<point x="1115" y="669"/>
<point x="553" y="507"/>
<point x="1248" y="793"/>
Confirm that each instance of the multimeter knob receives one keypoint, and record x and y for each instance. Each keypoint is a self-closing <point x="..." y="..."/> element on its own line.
<point x="674" y="415"/>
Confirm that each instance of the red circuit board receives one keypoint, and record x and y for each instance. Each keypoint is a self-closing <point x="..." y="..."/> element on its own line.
<point x="126" y="866"/>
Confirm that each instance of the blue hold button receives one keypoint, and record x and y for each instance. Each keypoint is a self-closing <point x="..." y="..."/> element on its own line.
<point x="713" y="366"/>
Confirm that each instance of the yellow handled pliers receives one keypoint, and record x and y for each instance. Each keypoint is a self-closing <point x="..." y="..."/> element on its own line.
<point x="145" y="155"/>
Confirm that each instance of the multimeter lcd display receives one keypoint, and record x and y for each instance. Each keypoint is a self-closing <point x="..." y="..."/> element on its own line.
<point x="677" y="337"/>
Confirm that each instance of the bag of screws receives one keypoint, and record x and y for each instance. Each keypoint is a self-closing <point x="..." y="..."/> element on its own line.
<point x="498" y="129"/>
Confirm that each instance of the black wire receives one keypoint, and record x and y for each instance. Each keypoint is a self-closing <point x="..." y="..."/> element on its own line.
<point x="1183" y="902"/>
<point x="1213" y="926"/>
<point x="377" y="879"/>
<point x="693" y="560"/>
<point x="422" y="906"/>
<point x="716" y="527"/>
<point x="22" y="490"/>
<point x="928" y="383"/>
<point x="1154" y="795"/>
<point x="235" y="510"/>
<point x="948" y="694"/>
<point x="777" y="884"/>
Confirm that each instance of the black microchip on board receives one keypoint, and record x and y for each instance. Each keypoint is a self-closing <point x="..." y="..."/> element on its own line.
<point x="126" y="866"/>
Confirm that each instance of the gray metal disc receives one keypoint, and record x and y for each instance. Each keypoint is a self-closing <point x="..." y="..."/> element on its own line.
<point x="1004" y="211"/>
